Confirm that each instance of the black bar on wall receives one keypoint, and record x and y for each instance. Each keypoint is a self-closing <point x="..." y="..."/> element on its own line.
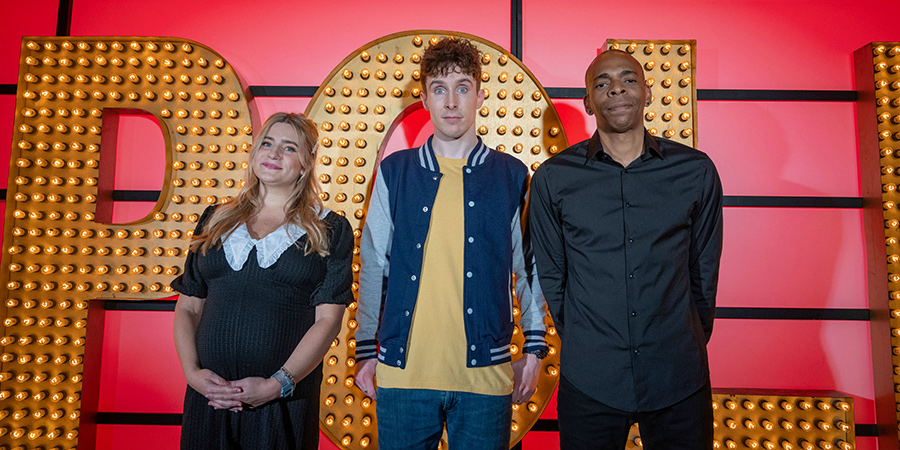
<point x="773" y="95"/>
<point x="118" y="418"/>
<point x="730" y="200"/>
<point x="734" y="201"/>
<point x="738" y="95"/>
<point x="283" y="91"/>
<point x="562" y="92"/>
<point x="572" y="93"/>
<point x="64" y="18"/>
<point x="545" y="425"/>
<point x="138" y="305"/>
<point x="721" y="312"/>
<point x="792" y="313"/>
<point x="515" y="28"/>
<point x="793" y="202"/>
<point x="135" y="196"/>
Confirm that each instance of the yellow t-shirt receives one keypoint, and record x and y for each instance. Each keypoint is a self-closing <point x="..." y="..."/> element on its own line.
<point x="436" y="357"/>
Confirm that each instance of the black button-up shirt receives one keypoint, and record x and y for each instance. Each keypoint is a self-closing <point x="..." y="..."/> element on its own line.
<point x="628" y="259"/>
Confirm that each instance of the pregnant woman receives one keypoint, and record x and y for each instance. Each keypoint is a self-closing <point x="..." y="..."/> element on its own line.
<point x="262" y="298"/>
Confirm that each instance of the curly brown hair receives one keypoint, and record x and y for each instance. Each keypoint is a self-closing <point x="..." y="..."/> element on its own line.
<point x="451" y="54"/>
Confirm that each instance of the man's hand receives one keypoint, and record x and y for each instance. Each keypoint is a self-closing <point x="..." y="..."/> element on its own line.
<point x="365" y="377"/>
<point x="525" y="377"/>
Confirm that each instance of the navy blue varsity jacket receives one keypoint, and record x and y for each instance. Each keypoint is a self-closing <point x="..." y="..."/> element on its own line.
<point x="392" y="247"/>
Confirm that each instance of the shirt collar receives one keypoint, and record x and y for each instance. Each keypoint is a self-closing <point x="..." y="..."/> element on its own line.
<point x="427" y="160"/>
<point x="651" y="146"/>
<point x="239" y="244"/>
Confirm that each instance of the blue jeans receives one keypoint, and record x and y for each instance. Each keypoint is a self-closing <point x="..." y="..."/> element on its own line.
<point x="413" y="419"/>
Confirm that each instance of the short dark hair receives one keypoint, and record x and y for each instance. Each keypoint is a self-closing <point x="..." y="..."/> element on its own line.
<point x="449" y="55"/>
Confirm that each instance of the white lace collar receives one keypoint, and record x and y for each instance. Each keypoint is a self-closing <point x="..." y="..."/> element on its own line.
<point x="268" y="249"/>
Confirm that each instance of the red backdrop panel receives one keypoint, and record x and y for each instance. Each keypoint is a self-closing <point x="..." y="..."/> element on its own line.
<point x="31" y="18"/>
<point x="140" y="371"/>
<point x="7" y="118"/>
<point x="775" y="44"/>
<point x="795" y="354"/>
<point x="137" y="437"/>
<point x="773" y="257"/>
<point x="286" y="42"/>
<point x="782" y="148"/>
<point x="793" y="258"/>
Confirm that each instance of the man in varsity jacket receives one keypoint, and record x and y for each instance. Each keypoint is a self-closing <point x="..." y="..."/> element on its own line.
<point x="441" y="244"/>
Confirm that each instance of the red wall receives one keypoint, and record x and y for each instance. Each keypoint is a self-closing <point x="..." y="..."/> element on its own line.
<point x="773" y="257"/>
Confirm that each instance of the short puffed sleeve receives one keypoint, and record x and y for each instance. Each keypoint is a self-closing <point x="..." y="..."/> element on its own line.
<point x="336" y="286"/>
<point x="191" y="281"/>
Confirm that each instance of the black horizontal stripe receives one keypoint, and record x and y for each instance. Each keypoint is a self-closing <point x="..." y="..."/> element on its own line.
<point x="121" y="418"/>
<point x="792" y="313"/>
<point x="546" y="425"/>
<point x="867" y="430"/>
<point x="721" y="312"/>
<point x="730" y="200"/>
<point x="773" y="95"/>
<point x="283" y="91"/>
<point x="760" y="95"/>
<point x="135" y="196"/>
<point x="793" y="202"/>
<point x="551" y="425"/>
<point x="138" y="305"/>
<point x="562" y="92"/>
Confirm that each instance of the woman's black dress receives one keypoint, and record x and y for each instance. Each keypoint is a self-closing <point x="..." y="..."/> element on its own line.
<point x="251" y="322"/>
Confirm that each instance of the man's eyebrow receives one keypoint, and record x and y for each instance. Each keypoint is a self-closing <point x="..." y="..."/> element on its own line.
<point x="624" y="72"/>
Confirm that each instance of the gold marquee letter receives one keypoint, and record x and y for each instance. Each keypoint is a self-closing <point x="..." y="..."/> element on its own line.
<point x="57" y="256"/>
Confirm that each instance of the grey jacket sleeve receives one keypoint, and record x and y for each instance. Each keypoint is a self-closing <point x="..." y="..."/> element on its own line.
<point x="375" y="253"/>
<point x="528" y="291"/>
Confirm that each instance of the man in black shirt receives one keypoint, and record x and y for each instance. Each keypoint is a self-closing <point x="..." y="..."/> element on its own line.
<point x="627" y="231"/>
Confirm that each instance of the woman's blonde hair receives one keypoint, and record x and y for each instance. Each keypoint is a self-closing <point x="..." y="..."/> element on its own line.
<point x="303" y="206"/>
